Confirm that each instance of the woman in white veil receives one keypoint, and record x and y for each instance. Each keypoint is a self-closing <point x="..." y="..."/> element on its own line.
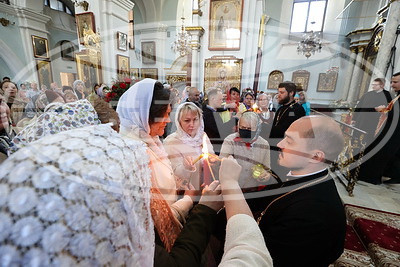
<point x="144" y="112"/>
<point x="186" y="144"/>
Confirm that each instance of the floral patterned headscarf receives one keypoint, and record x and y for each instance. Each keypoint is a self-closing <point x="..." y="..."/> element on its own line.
<point x="77" y="198"/>
<point x="58" y="118"/>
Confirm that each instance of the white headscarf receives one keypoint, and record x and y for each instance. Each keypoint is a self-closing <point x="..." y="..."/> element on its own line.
<point x="134" y="105"/>
<point x="195" y="141"/>
<point x="133" y="110"/>
<point x="77" y="197"/>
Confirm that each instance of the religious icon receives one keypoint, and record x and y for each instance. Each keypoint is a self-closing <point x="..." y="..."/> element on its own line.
<point x="149" y="52"/>
<point x="225" y="24"/>
<point x="301" y="78"/>
<point x="44" y="73"/>
<point x="88" y="64"/>
<point x="222" y="72"/>
<point x="67" y="50"/>
<point x="85" y="25"/>
<point x="123" y="67"/>
<point x="122" y="40"/>
<point x="40" y="47"/>
<point x="274" y="79"/>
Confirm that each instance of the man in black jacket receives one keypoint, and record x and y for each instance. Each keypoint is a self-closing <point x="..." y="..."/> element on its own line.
<point x="366" y="117"/>
<point x="287" y="113"/>
<point x="302" y="217"/>
<point x="214" y="126"/>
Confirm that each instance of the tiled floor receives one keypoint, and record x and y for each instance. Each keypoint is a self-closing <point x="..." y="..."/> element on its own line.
<point x="383" y="197"/>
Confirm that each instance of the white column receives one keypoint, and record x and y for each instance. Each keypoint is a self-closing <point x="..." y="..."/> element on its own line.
<point x="196" y="33"/>
<point x="356" y="77"/>
<point x="349" y="73"/>
<point x="388" y="38"/>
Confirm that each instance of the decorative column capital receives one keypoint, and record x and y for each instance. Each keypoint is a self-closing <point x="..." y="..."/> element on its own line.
<point x="195" y="30"/>
<point x="353" y="49"/>
<point x="361" y="48"/>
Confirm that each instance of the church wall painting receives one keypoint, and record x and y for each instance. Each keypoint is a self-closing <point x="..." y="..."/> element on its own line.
<point x="327" y="82"/>
<point x="122" y="41"/>
<point x="222" y="72"/>
<point x="88" y="65"/>
<point x="134" y="73"/>
<point x="149" y="52"/>
<point x="225" y="24"/>
<point x="123" y="67"/>
<point x="40" y="47"/>
<point x="301" y="79"/>
<point x="274" y="79"/>
<point x="44" y="73"/>
<point x="85" y="25"/>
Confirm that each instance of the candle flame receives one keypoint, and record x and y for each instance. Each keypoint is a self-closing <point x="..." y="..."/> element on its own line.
<point x="255" y="107"/>
<point x="205" y="149"/>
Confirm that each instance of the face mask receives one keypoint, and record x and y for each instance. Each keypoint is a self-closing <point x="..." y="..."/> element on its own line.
<point x="246" y="134"/>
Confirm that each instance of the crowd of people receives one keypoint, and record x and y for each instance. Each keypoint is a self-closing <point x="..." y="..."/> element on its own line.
<point x="237" y="181"/>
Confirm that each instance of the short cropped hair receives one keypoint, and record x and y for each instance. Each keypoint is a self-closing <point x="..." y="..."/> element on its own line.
<point x="289" y="86"/>
<point x="324" y="135"/>
<point x="380" y="80"/>
<point x="234" y="89"/>
<point x="213" y="92"/>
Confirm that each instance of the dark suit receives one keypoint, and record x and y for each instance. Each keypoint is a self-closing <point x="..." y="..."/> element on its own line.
<point x="306" y="227"/>
<point x="365" y="115"/>
<point x="215" y="128"/>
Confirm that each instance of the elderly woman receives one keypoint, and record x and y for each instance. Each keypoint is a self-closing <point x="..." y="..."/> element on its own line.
<point x="186" y="144"/>
<point x="250" y="150"/>
<point x="143" y="110"/>
<point x="80" y="89"/>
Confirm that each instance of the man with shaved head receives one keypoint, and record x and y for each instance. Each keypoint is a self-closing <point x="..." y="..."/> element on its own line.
<point x="194" y="96"/>
<point x="301" y="216"/>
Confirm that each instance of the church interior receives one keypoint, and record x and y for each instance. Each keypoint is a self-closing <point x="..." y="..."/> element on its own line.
<point x="333" y="50"/>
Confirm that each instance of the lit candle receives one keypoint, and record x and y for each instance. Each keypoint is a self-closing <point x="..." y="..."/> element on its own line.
<point x="207" y="171"/>
<point x="255" y="107"/>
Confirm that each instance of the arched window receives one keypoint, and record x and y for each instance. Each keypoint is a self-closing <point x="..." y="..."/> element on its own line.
<point x="308" y="15"/>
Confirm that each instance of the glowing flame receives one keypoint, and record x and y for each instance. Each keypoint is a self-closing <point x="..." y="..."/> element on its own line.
<point x="205" y="149"/>
<point x="255" y="107"/>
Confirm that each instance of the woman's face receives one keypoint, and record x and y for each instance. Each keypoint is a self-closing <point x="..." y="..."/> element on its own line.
<point x="263" y="101"/>
<point x="248" y="100"/>
<point x="80" y="87"/>
<point x="157" y="127"/>
<point x="190" y="122"/>
<point x="10" y="90"/>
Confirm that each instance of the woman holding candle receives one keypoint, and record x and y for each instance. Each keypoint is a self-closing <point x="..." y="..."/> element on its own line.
<point x="250" y="150"/>
<point x="144" y="112"/>
<point x="185" y="145"/>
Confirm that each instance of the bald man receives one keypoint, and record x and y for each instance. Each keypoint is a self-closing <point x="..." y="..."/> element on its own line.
<point x="301" y="216"/>
<point x="194" y="96"/>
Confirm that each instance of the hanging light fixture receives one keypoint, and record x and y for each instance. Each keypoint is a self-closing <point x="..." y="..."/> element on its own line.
<point x="182" y="41"/>
<point x="309" y="45"/>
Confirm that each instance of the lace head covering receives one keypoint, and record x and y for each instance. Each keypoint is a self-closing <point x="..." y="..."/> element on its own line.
<point x="57" y="118"/>
<point x="134" y="105"/>
<point x="77" y="198"/>
<point x="197" y="140"/>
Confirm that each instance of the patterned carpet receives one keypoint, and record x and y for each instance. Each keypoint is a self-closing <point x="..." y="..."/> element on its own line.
<point x="372" y="238"/>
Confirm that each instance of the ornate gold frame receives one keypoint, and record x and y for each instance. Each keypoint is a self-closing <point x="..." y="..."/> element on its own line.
<point x="88" y="65"/>
<point x="225" y="15"/>
<point x="214" y="66"/>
